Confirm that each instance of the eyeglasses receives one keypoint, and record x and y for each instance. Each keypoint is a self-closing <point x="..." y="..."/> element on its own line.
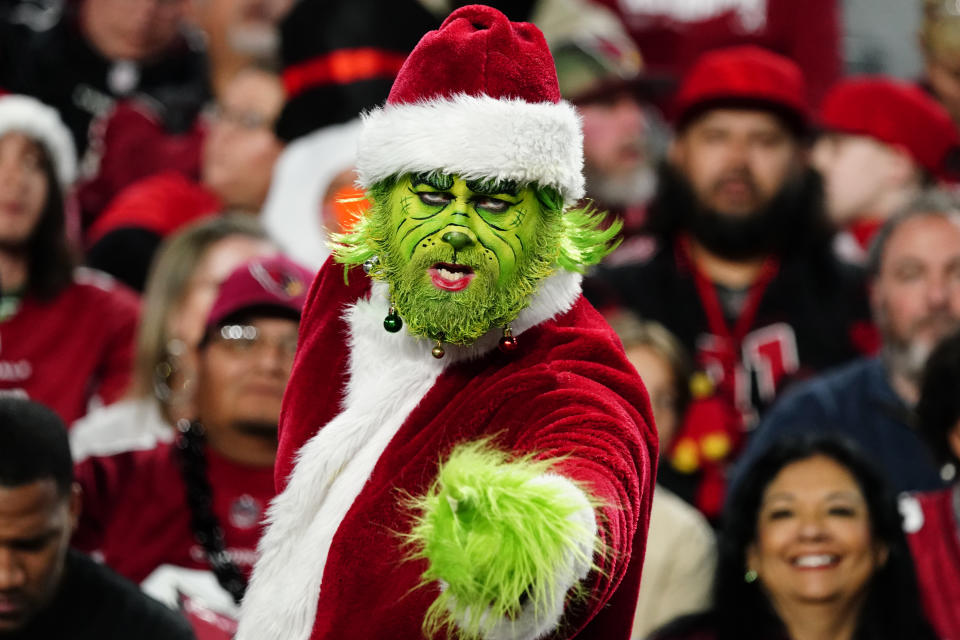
<point x="245" y="339"/>
<point x="244" y="119"/>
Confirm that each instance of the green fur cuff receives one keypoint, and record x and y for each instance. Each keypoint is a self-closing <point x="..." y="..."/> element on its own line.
<point x="507" y="538"/>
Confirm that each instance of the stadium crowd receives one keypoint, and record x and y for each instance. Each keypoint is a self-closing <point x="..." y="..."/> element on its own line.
<point x="786" y="283"/>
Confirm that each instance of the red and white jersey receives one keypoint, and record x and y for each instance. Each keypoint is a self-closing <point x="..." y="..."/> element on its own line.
<point x="931" y="521"/>
<point x="63" y="352"/>
<point x="135" y="514"/>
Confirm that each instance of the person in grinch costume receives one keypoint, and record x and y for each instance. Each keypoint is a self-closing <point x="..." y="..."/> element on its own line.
<point x="464" y="449"/>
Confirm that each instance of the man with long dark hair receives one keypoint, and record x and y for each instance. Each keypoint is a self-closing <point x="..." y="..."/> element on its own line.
<point x="66" y="334"/>
<point x="739" y="265"/>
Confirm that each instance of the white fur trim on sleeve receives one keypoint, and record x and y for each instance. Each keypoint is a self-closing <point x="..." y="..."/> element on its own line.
<point x="531" y="623"/>
<point x="476" y="137"/>
<point x="35" y="119"/>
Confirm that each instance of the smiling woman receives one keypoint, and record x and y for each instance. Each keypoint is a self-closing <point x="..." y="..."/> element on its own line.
<point x="811" y="547"/>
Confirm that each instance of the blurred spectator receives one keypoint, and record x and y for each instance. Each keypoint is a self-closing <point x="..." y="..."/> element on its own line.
<point x="186" y="517"/>
<point x="47" y="590"/>
<point x="940" y="45"/>
<point x="601" y="72"/>
<point x="811" y="547"/>
<point x="131" y="142"/>
<point x="932" y="520"/>
<point x="681" y="555"/>
<point x="82" y="56"/>
<point x="180" y="291"/>
<point x="66" y="335"/>
<point x="874" y="161"/>
<point x="239" y="154"/>
<point x="738" y="263"/>
<point x="239" y="34"/>
<point x="914" y="264"/>
<point x="674" y="34"/>
<point x="339" y="58"/>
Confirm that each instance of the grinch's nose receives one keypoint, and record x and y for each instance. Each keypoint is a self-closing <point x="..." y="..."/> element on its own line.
<point x="457" y="239"/>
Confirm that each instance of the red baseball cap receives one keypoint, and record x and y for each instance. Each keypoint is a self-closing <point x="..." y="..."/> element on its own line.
<point x="743" y="76"/>
<point x="273" y="285"/>
<point x="899" y="114"/>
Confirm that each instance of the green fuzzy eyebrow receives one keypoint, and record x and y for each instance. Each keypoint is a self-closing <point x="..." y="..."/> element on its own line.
<point x="494" y="187"/>
<point x="439" y="181"/>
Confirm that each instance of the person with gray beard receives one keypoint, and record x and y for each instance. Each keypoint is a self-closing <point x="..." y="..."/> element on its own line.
<point x="914" y="266"/>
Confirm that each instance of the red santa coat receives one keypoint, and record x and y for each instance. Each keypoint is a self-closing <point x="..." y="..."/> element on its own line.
<point x="369" y="415"/>
<point x="932" y="523"/>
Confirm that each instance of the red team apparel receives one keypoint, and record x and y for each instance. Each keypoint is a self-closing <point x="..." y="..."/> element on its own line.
<point x="672" y="34"/>
<point x="932" y="524"/>
<point x="135" y="513"/>
<point x="64" y="351"/>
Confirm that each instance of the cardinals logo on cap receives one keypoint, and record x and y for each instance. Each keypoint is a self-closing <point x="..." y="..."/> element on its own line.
<point x="278" y="280"/>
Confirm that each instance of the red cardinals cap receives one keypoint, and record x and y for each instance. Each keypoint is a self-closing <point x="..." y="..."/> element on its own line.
<point x="274" y="285"/>
<point x="743" y="76"/>
<point x="477" y="97"/>
<point x="897" y="114"/>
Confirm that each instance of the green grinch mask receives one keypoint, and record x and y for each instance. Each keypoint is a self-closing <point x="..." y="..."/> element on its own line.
<point x="461" y="256"/>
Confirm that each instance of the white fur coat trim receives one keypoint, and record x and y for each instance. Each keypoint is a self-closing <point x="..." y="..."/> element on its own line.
<point x="389" y="373"/>
<point x="476" y="137"/>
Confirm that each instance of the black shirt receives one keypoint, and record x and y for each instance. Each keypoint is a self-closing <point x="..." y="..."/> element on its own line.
<point x="803" y="318"/>
<point x="94" y="603"/>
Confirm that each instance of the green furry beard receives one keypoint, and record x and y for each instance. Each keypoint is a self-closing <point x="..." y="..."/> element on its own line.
<point x="464" y="316"/>
<point x="572" y="240"/>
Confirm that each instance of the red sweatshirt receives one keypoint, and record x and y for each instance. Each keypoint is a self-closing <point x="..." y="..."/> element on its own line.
<point x="64" y="351"/>
<point x="135" y="510"/>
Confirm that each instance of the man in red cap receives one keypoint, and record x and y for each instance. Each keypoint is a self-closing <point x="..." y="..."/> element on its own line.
<point x="464" y="447"/>
<point x="739" y="265"/>
<point x="186" y="516"/>
<point x="883" y="142"/>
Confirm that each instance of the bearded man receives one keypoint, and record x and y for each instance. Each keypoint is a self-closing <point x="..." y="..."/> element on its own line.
<point x="464" y="447"/>
<point x="914" y="265"/>
<point x="739" y="263"/>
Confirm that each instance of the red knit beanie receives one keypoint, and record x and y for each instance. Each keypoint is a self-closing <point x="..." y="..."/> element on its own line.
<point x="897" y="114"/>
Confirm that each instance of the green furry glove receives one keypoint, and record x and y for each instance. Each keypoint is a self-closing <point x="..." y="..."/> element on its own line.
<point x="507" y="539"/>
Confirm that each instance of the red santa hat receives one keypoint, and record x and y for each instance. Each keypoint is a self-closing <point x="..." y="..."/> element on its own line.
<point x="36" y="120"/>
<point x="479" y="98"/>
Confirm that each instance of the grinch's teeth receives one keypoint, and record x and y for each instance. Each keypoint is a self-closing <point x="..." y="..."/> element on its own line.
<point x="450" y="275"/>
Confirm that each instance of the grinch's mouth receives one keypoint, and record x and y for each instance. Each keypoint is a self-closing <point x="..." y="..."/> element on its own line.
<point x="450" y="277"/>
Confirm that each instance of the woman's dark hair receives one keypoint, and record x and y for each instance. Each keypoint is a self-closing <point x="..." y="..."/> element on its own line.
<point x="938" y="410"/>
<point x="50" y="259"/>
<point x="742" y="610"/>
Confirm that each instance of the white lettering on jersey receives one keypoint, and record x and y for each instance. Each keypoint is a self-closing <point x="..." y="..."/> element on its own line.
<point x="752" y="13"/>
